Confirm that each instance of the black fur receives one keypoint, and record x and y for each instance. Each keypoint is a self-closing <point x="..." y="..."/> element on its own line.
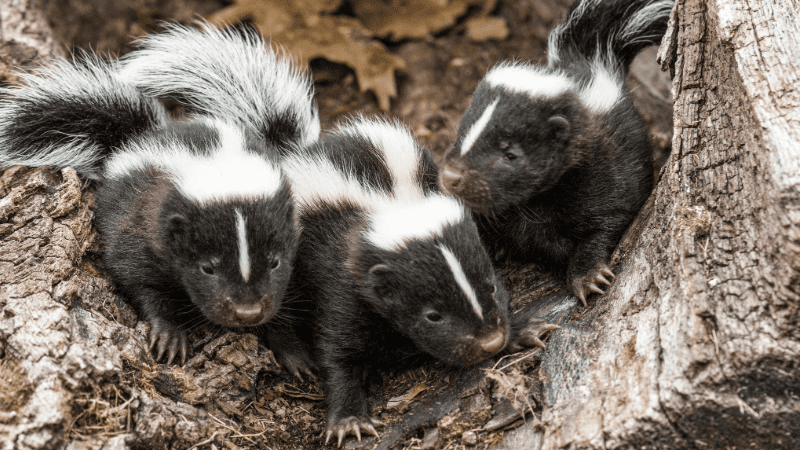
<point x="174" y="256"/>
<point x="550" y="179"/>
<point x="376" y="308"/>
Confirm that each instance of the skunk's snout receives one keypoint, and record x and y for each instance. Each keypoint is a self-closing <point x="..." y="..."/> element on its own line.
<point x="249" y="313"/>
<point x="493" y="342"/>
<point x="452" y="180"/>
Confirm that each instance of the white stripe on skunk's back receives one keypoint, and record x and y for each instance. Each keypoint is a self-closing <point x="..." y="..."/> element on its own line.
<point x="397" y="147"/>
<point x="406" y="213"/>
<point x="394" y="223"/>
<point x="230" y="171"/>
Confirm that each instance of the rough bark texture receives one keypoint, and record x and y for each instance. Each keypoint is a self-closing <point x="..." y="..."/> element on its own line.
<point x="697" y="344"/>
<point x="25" y="36"/>
<point x="72" y="354"/>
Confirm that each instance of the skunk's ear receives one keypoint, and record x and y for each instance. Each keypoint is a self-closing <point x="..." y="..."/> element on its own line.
<point x="380" y="278"/>
<point x="176" y="227"/>
<point x="559" y="129"/>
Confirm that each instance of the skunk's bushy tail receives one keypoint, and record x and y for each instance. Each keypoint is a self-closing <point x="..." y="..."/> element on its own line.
<point x="228" y="74"/>
<point x="72" y="113"/>
<point x="608" y="30"/>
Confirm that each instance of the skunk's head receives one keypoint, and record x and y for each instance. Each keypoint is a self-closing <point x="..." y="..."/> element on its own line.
<point x="525" y="127"/>
<point x="423" y="268"/>
<point x="227" y="224"/>
<point x="233" y="258"/>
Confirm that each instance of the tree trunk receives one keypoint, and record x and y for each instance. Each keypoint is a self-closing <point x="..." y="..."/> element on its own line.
<point x="697" y="344"/>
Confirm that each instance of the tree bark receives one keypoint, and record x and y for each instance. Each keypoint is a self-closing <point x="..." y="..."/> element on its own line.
<point x="697" y="343"/>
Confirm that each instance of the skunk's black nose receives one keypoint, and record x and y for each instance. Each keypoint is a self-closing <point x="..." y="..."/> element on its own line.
<point x="451" y="180"/>
<point x="249" y="313"/>
<point x="493" y="342"/>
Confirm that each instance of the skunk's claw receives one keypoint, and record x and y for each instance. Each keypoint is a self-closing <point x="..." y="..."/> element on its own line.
<point x="531" y="335"/>
<point x="168" y="339"/>
<point x="352" y="425"/>
<point x="587" y="284"/>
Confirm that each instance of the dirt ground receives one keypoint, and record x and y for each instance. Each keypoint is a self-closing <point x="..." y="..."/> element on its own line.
<point x="427" y="407"/>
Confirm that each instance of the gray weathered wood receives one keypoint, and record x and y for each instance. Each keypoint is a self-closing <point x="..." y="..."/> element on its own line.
<point x="697" y="344"/>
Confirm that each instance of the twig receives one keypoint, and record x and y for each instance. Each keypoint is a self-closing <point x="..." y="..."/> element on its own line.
<point x="230" y="428"/>
<point x="207" y="441"/>
<point x="531" y="353"/>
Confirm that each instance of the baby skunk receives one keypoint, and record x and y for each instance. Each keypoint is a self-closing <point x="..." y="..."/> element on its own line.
<point x="555" y="161"/>
<point x="225" y="74"/>
<point x="196" y="218"/>
<point x="394" y="267"/>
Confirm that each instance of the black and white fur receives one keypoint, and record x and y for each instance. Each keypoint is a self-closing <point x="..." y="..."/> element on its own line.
<point x="391" y="266"/>
<point x="228" y="74"/>
<point x="555" y="161"/>
<point x="196" y="217"/>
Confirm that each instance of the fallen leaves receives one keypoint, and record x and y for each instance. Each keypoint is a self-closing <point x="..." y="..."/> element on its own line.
<point x="309" y="30"/>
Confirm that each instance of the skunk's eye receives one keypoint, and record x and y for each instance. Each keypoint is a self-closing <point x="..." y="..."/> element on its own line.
<point x="433" y="317"/>
<point x="275" y="262"/>
<point x="207" y="268"/>
<point x="511" y="156"/>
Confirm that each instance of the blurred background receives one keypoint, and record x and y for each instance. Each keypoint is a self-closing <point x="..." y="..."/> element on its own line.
<point x="416" y="60"/>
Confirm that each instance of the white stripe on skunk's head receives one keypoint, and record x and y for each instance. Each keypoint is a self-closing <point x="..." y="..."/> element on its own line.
<point x="395" y="223"/>
<point x="395" y="144"/>
<point x="226" y="170"/>
<point x="461" y="280"/>
<point x="529" y="80"/>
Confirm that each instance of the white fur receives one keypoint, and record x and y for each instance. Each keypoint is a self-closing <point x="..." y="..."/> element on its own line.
<point x="477" y="128"/>
<point x="244" y="253"/>
<point x="604" y="90"/>
<point x="633" y="28"/>
<point x="554" y="39"/>
<point x="406" y="213"/>
<point x="530" y="80"/>
<point x="316" y="182"/>
<point x="396" y="145"/>
<point x="394" y="218"/>
<point x="461" y="280"/>
<point x="225" y="74"/>
<point x="554" y="45"/>
<point x="229" y="172"/>
<point x="94" y="80"/>
<point x="394" y="223"/>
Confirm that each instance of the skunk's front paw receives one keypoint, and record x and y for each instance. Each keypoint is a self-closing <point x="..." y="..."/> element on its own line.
<point x="170" y="340"/>
<point x="531" y="335"/>
<point x="584" y="285"/>
<point x="296" y="363"/>
<point x="352" y="425"/>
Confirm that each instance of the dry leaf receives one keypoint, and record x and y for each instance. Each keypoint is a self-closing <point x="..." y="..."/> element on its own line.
<point x="482" y="29"/>
<point x="402" y="19"/>
<point x="303" y="29"/>
<point x="398" y="401"/>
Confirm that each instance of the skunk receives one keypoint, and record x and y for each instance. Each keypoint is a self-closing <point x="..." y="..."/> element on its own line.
<point x="393" y="267"/>
<point x="230" y="74"/>
<point x="554" y="161"/>
<point x="196" y="217"/>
